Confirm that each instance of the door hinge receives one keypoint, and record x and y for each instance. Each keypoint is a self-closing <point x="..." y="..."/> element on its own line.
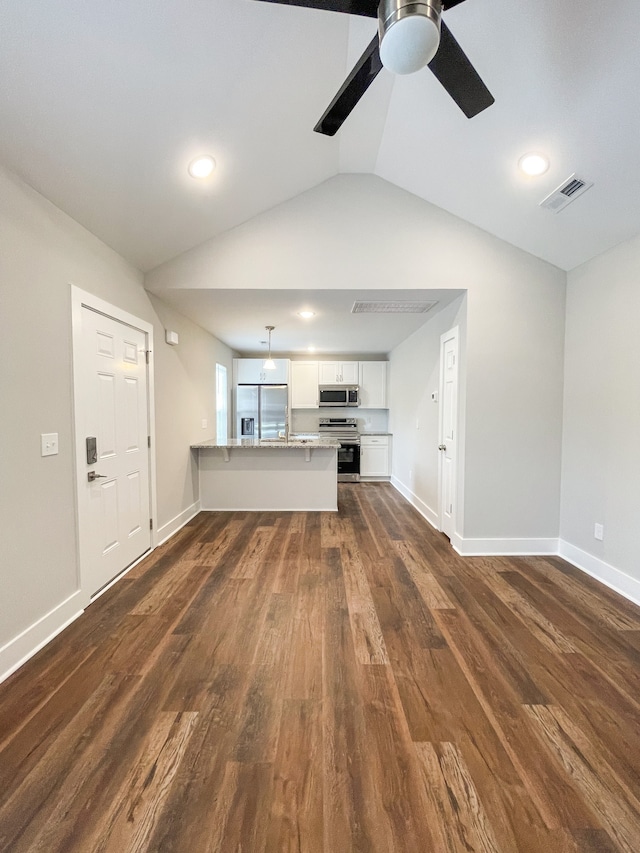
<point x="150" y="524"/>
<point x="147" y="354"/>
<point x="148" y="441"/>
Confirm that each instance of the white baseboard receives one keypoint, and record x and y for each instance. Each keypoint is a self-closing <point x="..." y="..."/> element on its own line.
<point x="608" y="575"/>
<point x="503" y="547"/>
<point x="167" y="530"/>
<point x="18" y="650"/>
<point x="424" y="510"/>
<point x="270" y="509"/>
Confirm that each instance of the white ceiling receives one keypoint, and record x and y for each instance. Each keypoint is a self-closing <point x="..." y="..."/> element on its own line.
<point x="102" y="106"/>
<point x="238" y="317"/>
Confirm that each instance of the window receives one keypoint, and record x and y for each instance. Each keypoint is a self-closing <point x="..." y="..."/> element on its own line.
<point x="221" y="403"/>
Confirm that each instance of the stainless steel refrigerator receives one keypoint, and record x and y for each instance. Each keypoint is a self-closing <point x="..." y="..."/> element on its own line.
<point x="261" y="411"/>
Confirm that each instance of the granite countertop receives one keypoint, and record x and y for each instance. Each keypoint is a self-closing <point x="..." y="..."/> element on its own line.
<point x="292" y="443"/>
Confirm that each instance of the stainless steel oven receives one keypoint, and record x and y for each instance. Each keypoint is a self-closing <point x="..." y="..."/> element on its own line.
<point x="344" y="430"/>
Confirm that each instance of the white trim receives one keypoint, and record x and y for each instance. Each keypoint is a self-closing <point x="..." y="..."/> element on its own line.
<point x="26" y="644"/>
<point x="82" y="299"/>
<point x="503" y="547"/>
<point x="425" y="511"/>
<point x="614" y="578"/>
<point x="167" y="530"/>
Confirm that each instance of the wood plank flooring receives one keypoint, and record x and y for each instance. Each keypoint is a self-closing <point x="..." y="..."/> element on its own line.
<point x="328" y="683"/>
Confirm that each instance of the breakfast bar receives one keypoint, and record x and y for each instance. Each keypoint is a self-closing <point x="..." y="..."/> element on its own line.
<point x="257" y="475"/>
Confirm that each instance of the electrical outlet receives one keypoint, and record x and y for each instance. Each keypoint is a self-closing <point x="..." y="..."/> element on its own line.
<point x="204" y="423"/>
<point x="48" y="443"/>
<point x="598" y="531"/>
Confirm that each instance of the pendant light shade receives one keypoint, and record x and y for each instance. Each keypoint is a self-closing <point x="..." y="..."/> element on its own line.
<point x="269" y="363"/>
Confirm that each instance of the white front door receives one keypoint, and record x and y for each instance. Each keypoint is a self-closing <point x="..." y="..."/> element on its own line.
<point x="112" y="408"/>
<point x="448" y="430"/>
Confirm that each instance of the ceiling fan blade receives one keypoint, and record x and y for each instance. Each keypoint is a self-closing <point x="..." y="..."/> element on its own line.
<point x="364" y="73"/>
<point x="368" y="8"/>
<point x="458" y="76"/>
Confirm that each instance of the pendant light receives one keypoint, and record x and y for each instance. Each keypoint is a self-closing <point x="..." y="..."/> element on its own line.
<point x="269" y="363"/>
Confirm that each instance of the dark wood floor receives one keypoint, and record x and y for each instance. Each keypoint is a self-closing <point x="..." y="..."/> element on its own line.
<point x="329" y="682"/>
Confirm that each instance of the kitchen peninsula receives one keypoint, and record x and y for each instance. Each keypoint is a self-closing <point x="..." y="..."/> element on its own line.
<point x="286" y="475"/>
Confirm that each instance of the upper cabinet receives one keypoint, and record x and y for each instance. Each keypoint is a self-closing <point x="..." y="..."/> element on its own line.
<point x="339" y="372"/>
<point x="250" y="371"/>
<point x="304" y="384"/>
<point x="371" y="376"/>
<point x="373" y="384"/>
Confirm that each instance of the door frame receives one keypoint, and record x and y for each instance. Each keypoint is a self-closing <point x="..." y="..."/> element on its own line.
<point x="453" y="333"/>
<point x="82" y="299"/>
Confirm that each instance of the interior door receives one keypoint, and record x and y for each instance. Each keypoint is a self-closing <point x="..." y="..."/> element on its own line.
<point x="448" y="430"/>
<point x="112" y="408"/>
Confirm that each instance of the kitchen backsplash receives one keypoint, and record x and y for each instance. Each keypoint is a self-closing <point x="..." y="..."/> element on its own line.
<point x="369" y="420"/>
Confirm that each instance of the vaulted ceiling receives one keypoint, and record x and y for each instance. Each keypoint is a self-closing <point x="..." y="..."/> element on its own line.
<point x="103" y="105"/>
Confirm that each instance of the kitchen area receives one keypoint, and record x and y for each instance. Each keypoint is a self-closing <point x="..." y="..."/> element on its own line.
<point x="300" y="427"/>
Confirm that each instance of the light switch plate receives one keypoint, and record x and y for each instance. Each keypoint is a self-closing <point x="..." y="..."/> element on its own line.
<point x="598" y="531"/>
<point x="205" y="423"/>
<point x="49" y="443"/>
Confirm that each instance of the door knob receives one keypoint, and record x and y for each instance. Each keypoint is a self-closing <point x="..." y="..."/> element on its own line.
<point x="91" y="476"/>
<point x="442" y="447"/>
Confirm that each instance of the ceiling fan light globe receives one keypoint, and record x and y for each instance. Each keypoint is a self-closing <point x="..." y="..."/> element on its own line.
<point x="409" y="38"/>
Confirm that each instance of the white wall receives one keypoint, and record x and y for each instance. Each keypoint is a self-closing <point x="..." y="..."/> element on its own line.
<point x="414" y="373"/>
<point x="601" y="441"/>
<point x="42" y="251"/>
<point x="187" y="374"/>
<point x="359" y="231"/>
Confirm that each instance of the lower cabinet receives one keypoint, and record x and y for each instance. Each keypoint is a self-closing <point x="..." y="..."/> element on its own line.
<point x="374" y="456"/>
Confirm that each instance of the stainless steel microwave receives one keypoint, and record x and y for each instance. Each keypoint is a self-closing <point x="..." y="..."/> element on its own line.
<point x="339" y="395"/>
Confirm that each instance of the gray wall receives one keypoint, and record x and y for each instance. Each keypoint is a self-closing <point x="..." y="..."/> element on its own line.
<point x="360" y="231"/>
<point x="601" y="442"/>
<point x="42" y="252"/>
<point x="414" y="373"/>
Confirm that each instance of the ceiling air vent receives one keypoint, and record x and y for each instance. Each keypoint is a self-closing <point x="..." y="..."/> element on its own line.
<point x="567" y="192"/>
<point x="392" y="307"/>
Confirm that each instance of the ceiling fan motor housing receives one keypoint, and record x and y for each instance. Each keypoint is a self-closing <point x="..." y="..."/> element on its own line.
<point x="409" y="33"/>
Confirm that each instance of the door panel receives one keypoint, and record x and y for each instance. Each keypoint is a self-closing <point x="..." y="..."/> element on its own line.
<point x="107" y="410"/>
<point x="108" y="498"/>
<point x="113" y="406"/>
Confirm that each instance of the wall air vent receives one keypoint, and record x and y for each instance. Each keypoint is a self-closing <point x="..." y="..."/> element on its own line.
<point x="567" y="192"/>
<point x="392" y="307"/>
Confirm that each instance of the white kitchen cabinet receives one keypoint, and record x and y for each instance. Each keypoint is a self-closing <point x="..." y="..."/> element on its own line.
<point x="339" y="372"/>
<point x="374" y="456"/>
<point x="250" y="371"/>
<point x="373" y="384"/>
<point x="304" y="384"/>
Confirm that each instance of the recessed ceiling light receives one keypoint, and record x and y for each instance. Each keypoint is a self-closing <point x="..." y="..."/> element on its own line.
<point x="306" y="314"/>
<point x="533" y="164"/>
<point x="311" y="349"/>
<point x="202" y="167"/>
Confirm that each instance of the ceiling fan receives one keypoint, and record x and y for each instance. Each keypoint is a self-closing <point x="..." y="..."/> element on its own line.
<point x="410" y="35"/>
